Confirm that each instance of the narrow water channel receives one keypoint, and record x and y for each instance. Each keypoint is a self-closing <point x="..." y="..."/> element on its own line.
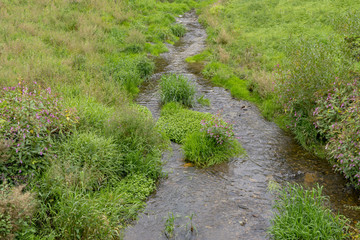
<point x="228" y="201"/>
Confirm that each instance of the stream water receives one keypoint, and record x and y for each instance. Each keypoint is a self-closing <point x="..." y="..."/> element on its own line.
<point x="231" y="200"/>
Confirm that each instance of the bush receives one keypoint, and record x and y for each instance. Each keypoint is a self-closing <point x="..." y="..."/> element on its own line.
<point x="337" y="120"/>
<point x="203" y="151"/>
<point x="301" y="214"/>
<point x="30" y="118"/>
<point x="178" y="122"/>
<point x="176" y="88"/>
<point x="313" y="69"/>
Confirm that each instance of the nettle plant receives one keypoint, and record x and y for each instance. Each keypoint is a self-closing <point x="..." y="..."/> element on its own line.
<point x="30" y="117"/>
<point x="218" y="130"/>
<point x="337" y="120"/>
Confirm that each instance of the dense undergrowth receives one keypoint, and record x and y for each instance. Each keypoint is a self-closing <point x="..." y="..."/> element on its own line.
<point x="77" y="156"/>
<point x="299" y="62"/>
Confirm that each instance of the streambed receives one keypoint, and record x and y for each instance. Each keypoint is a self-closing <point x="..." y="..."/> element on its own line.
<point x="231" y="200"/>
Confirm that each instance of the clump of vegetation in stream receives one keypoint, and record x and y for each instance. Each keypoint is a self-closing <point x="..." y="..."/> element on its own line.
<point x="214" y="144"/>
<point x="177" y="88"/>
<point x="207" y="139"/>
<point x="170" y="226"/>
<point x="178" y="122"/>
<point x="303" y="214"/>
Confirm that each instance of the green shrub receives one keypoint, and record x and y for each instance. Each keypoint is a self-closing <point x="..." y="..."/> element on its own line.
<point x="314" y="68"/>
<point x="301" y="214"/>
<point x="178" y="30"/>
<point x="337" y="120"/>
<point x="203" y="151"/>
<point x="176" y="88"/>
<point x="30" y="118"/>
<point x="178" y="122"/>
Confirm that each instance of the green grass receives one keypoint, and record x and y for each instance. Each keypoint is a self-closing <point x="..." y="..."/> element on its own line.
<point x="205" y="152"/>
<point x="176" y="88"/>
<point x="302" y="214"/>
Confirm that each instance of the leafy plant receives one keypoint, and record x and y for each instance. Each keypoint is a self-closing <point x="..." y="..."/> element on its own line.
<point x="170" y="225"/>
<point x="217" y="129"/>
<point x="30" y="118"/>
<point x="301" y="214"/>
<point x="176" y="88"/>
<point x="337" y="120"/>
<point x="177" y="122"/>
<point x="190" y="223"/>
<point x="17" y="209"/>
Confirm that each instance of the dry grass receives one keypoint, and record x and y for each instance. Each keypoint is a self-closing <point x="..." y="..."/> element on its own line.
<point x="224" y="37"/>
<point x="224" y="56"/>
<point x="18" y="205"/>
<point x="265" y="82"/>
<point x="135" y="37"/>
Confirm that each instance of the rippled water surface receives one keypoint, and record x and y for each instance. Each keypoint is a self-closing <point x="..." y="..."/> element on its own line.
<point x="228" y="201"/>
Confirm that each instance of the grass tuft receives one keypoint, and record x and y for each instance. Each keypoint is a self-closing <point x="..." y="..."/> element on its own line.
<point x="177" y="88"/>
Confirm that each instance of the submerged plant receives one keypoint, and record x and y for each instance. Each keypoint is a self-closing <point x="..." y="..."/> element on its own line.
<point x="169" y="227"/>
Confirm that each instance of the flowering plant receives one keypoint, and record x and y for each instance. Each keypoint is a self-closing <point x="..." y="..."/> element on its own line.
<point x="28" y="120"/>
<point x="217" y="129"/>
<point x="337" y="119"/>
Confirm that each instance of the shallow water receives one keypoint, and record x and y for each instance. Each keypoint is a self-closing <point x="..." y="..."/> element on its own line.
<point x="228" y="201"/>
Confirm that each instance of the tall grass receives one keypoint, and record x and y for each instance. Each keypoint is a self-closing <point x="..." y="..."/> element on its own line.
<point x="302" y="214"/>
<point x="177" y="88"/>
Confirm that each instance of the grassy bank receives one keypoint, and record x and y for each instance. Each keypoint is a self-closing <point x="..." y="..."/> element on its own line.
<point x="299" y="62"/>
<point x="77" y="156"/>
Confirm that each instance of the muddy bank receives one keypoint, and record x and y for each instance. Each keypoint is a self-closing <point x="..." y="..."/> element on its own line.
<point x="229" y="201"/>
